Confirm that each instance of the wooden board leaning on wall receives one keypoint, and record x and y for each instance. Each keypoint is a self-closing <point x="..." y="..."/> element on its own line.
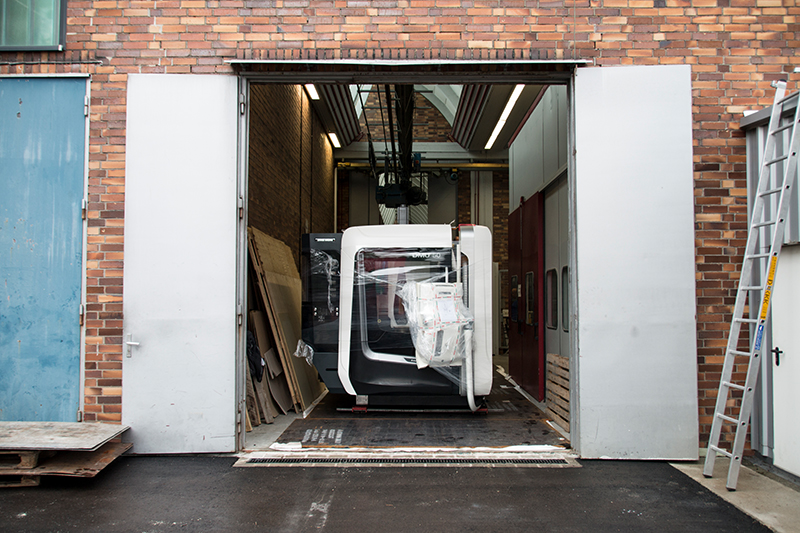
<point x="280" y="288"/>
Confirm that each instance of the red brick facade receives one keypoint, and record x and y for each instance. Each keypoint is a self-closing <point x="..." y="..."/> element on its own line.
<point x="735" y="47"/>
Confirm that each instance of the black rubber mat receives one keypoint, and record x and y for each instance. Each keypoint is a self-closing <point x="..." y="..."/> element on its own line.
<point x="511" y="420"/>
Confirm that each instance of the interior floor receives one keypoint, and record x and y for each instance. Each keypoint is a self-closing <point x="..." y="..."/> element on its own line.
<point x="511" y="420"/>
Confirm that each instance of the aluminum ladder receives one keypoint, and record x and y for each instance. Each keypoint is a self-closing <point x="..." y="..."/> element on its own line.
<point x="775" y="182"/>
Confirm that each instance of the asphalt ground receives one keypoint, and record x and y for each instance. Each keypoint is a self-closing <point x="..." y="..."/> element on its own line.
<point x="204" y="493"/>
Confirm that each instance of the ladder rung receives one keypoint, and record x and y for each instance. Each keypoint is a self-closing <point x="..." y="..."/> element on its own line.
<point x="747" y="320"/>
<point x="720" y="450"/>
<point x="733" y="385"/>
<point x="783" y="128"/>
<point x="777" y="159"/>
<point x="750" y="287"/>
<point x="728" y="418"/>
<point x="757" y="256"/>
<point x="737" y="352"/>
<point x="788" y="97"/>
<point x="770" y="191"/>
<point x="765" y="223"/>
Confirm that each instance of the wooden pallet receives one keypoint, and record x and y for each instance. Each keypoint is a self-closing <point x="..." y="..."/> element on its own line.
<point x="29" y="450"/>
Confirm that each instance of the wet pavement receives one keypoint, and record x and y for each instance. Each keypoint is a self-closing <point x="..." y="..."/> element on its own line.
<point x="203" y="493"/>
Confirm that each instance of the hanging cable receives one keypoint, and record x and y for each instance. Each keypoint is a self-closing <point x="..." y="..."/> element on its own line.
<point x="404" y="108"/>
<point x="383" y="125"/>
<point x="391" y="131"/>
<point x="373" y="163"/>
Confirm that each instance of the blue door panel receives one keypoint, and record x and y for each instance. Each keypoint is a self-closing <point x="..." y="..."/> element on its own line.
<point x="42" y="151"/>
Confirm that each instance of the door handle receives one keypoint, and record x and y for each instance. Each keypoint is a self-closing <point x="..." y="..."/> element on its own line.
<point x="777" y="351"/>
<point x="129" y="344"/>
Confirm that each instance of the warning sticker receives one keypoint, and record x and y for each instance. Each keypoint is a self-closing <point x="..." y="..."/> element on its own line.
<point x="773" y="264"/>
<point x="759" y="338"/>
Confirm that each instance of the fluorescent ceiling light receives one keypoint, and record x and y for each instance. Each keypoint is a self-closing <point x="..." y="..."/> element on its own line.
<point x="504" y="116"/>
<point x="312" y="91"/>
<point x="334" y="140"/>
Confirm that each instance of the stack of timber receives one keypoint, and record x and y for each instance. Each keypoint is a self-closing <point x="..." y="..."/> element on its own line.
<point x="29" y="450"/>
<point x="287" y="382"/>
<point x="558" y="389"/>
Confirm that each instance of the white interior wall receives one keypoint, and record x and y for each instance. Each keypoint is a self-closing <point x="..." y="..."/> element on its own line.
<point x="556" y="256"/>
<point x="539" y="153"/>
<point x="482" y="198"/>
<point x="442" y="200"/>
<point x="552" y="261"/>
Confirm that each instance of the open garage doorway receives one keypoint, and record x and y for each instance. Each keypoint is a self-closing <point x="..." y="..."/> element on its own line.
<point x="456" y="139"/>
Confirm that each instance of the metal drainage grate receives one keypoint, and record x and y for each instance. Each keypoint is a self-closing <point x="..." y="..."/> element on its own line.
<point x="396" y="461"/>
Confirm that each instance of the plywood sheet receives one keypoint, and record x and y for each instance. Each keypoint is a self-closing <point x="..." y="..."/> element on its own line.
<point x="259" y="322"/>
<point x="77" y="436"/>
<point x="280" y="392"/>
<point x="77" y="464"/>
<point x="265" y="405"/>
<point x="291" y="379"/>
<point x="252" y="401"/>
<point x="283" y="291"/>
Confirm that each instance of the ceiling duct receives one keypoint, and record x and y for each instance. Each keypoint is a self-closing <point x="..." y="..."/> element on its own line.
<point x="342" y="111"/>
<point x="470" y="107"/>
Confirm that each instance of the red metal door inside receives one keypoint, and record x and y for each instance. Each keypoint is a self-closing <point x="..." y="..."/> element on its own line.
<point x="526" y="301"/>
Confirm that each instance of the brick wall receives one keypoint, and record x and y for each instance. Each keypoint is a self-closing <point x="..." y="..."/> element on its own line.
<point x="342" y="201"/>
<point x="429" y="123"/>
<point x="735" y="47"/>
<point x="290" y="188"/>
<point x="500" y="231"/>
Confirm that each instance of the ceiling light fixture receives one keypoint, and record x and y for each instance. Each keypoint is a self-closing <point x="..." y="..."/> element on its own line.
<point x="504" y="116"/>
<point x="334" y="140"/>
<point x="312" y="91"/>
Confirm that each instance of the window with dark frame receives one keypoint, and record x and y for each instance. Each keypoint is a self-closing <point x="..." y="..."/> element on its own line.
<point x="530" y="299"/>
<point x="551" y="299"/>
<point x="33" y="25"/>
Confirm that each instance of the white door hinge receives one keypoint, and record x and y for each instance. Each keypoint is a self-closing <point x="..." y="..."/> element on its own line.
<point x="241" y="104"/>
<point x="239" y="313"/>
<point x="79" y="418"/>
<point x="86" y="106"/>
<point x="81" y="314"/>
<point x="241" y="208"/>
<point x="84" y="207"/>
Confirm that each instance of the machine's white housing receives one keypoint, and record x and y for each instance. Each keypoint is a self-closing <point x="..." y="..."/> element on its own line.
<point x="475" y="243"/>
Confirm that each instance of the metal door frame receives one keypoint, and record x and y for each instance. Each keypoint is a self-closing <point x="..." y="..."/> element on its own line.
<point x="303" y="71"/>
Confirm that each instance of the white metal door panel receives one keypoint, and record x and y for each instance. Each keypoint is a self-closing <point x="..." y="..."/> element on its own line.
<point x="786" y="375"/>
<point x="634" y="218"/>
<point x="178" y="391"/>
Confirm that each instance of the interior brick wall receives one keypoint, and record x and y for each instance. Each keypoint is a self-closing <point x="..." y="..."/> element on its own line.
<point x="290" y="187"/>
<point x="342" y="201"/>
<point x="500" y="231"/>
<point x="429" y="123"/>
<point x="736" y="48"/>
<point x="499" y="221"/>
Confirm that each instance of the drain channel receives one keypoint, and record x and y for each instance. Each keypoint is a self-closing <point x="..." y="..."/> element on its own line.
<point x="400" y="461"/>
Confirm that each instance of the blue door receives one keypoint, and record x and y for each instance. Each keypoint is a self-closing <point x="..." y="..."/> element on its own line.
<point x="42" y="153"/>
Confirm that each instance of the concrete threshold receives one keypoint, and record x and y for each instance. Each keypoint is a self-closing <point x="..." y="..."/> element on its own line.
<point x="773" y="503"/>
